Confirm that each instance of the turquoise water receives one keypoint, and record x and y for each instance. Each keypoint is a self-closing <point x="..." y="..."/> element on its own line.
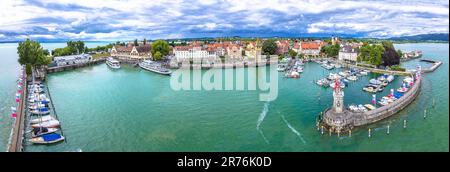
<point x="135" y="110"/>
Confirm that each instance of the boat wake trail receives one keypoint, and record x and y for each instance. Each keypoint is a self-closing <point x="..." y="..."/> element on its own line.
<point x="261" y="119"/>
<point x="293" y="130"/>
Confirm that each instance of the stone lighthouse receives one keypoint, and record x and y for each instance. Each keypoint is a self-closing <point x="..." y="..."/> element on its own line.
<point x="338" y="97"/>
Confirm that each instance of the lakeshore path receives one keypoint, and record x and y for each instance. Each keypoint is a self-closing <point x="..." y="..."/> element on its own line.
<point x="19" y="123"/>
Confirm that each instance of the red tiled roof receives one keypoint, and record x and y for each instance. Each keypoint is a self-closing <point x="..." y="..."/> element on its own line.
<point x="143" y="48"/>
<point x="310" y="45"/>
<point x="182" y="48"/>
<point x="123" y="48"/>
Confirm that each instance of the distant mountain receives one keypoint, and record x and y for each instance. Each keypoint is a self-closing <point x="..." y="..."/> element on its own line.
<point x="424" y="37"/>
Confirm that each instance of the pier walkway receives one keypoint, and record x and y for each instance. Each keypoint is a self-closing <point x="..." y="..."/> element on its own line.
<point x="436" y="64"/>
<point x="19" y="123"/>
<point x="74" y="66"/>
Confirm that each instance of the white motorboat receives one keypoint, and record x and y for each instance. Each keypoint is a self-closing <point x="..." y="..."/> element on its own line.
<point x="36" y="132"/>
<point x="332" y="84"/>
<point x="42" y="119"/>
<point x="112" y="63"/>
<point x="390" y="78"/>
<point x="402" y="89"/>
<point x="281" y="67"/>
<point x="352" y="78"/>
<point x="364" y="72"/>
<point x="47" y="124"/>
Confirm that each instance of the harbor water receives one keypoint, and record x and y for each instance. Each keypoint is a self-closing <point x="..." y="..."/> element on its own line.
<point x="130" y="109"/>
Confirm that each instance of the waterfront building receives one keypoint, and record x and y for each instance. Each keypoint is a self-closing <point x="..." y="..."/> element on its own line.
<point x="234" y="51"/>
<point x="311" y="48"/>
<point x="71" y="59"/>
<point x="282" y="46"/>
<point x="253" y="50"/>
<point x="190" y="52"/>
<point x="131" y="52"/>
<point x="296" y="47"/>
<point x="217" y="48"/>
<point x="348" y="53"/>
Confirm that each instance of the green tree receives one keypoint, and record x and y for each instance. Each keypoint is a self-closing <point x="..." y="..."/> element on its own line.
<point x="399" y="52"/>
<point x="28" y="69"/>
<point x="157" y="56"/>
<point x="331" y="50"/>
<point x="135" y="42"/>
<point x="31" y="53"/>
<point x="46" y="52"/>
<point x="301" y="56"/>
<point x="292" y="53"/>
<point x="160" y="46"/>
<point x="269" y="47"/>
<point x="145" y="41"/>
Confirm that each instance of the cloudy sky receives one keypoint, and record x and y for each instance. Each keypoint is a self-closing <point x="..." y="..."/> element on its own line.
<point x="154" y="19"/>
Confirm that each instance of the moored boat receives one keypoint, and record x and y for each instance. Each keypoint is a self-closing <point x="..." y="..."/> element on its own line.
<point x="154" y="67"/>
<point x="41" y="111"/>
<point x="36" y="132"/>
<point x="42" y="119"/>
<point x="47" y="124"/>
<point x="47" y="139"/>
<point x="112" y="63"/>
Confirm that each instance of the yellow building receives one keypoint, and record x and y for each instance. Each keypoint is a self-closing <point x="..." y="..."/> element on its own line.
<point x="253" y="50"/>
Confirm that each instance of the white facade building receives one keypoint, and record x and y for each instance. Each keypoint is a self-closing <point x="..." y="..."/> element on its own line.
<point x="348" y="53"/>
<point x="192" y="53"/>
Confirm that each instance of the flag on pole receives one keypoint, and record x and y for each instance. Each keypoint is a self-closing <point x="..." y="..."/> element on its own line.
<point x="13" y="109"/>
<point x="374" y="99"/>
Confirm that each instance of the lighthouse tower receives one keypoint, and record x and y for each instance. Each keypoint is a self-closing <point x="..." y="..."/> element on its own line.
<point x="338" y="97"/>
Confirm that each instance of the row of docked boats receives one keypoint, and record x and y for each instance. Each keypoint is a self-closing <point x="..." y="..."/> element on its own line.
<point x="378" y="84"/>
<point x="343" y="76"/>
<point x="44" y="125"/>
<point x="295" y="70"/>
<point x="328" y="65"/>
<point x="394" y="95"/>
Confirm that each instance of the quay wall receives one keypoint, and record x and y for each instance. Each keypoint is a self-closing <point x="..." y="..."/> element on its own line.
<point x="432" y="68"/>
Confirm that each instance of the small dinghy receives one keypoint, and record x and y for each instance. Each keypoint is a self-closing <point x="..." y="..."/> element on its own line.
<point x="42" y="119"/>
<point x="36" y="132"/>
<point x="47" y="139"/>
<point x="47" y="124"/>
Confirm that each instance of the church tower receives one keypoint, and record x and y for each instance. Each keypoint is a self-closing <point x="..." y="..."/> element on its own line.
<point x="338" y="97"/>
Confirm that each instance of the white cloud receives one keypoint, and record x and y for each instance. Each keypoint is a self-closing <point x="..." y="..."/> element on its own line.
<point x="170" y="18"/>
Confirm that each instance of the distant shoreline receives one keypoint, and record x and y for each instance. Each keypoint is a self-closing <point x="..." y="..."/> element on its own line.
<point x="395" y="42"/>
